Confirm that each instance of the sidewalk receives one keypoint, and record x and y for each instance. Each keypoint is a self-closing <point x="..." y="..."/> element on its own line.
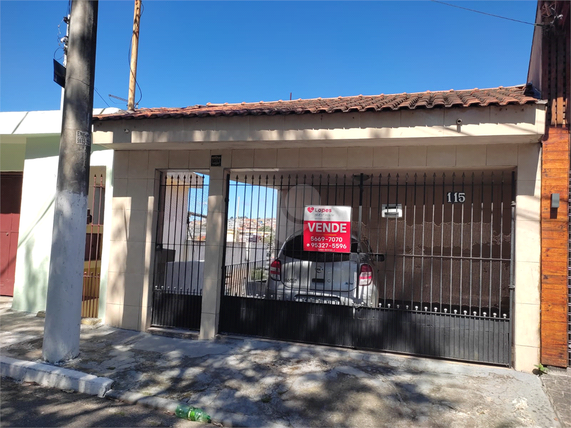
<point x="250" y="382"/>
<point x="557" y="384"/>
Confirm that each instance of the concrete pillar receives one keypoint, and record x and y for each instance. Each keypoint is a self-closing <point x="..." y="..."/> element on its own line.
<point x="527" y="341"/>
<point x="215" y="240"/>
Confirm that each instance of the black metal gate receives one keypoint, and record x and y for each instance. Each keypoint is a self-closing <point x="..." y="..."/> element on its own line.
<point x="179" y="250"/>
<point x="444" y="288"/>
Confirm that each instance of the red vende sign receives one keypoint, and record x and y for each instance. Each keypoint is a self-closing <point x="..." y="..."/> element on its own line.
<point x="327" y="229"/>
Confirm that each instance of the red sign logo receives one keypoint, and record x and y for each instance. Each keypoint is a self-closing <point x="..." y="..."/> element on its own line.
<point x="310" y="209"/>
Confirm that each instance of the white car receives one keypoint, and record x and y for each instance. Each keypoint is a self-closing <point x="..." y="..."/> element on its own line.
<point x="323" y="277"/>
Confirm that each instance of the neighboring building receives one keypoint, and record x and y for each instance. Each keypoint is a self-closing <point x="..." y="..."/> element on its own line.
<point x="462" y="261"/>
<point x="549" y="74"/>
<point x="29" y="151"/>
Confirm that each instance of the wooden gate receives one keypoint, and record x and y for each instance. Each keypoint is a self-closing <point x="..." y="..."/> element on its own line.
<point x="93" y="241"/>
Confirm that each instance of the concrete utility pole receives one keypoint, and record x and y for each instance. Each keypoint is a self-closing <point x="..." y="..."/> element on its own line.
<point x="65" y="283"/>
<point x="134" y="55"/>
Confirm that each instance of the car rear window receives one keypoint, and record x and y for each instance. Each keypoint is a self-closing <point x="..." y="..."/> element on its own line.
<point x="294" y="248"/>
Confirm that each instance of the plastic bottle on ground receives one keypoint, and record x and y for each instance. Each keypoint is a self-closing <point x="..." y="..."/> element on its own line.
<point x="185" y="411"/>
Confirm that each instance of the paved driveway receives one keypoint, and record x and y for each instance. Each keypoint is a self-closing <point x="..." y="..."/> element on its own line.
<point x="267" y="383"/>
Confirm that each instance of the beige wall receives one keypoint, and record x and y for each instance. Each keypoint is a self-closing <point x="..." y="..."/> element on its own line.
<point x="527" y="259"/>
<point x="510" y="124"/>
<point x="134" y="217"/>
<point x="131" y="236"/>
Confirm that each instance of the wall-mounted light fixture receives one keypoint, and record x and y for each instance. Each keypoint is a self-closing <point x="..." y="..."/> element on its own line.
<point x="555" y="200"/>
<point x="391" y="210"/>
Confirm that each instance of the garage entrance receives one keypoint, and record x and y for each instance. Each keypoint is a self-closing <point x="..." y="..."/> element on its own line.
<point x="438" y="246"/>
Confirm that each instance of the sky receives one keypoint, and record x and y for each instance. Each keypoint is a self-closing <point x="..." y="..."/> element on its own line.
<point x="194" y="52"/>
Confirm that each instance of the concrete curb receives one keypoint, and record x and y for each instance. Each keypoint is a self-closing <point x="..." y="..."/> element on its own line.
<point x="54" y="377"/>
<point x="166" y="405"/>
<point x="62" y="378"/>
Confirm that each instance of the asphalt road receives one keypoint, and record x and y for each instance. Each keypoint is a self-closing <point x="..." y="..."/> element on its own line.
<point x="30" y="405"/>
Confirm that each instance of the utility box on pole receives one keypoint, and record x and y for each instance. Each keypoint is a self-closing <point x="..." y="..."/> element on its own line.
<point x="65" y="283"/>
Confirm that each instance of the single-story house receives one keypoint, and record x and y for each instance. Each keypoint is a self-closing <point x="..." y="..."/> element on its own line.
<point x="462" y="170"/>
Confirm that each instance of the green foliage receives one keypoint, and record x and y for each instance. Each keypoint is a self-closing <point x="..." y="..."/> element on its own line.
<point x="541" y="369"/>
<point x="268" y="235"/>
<point x="258" y="274"/>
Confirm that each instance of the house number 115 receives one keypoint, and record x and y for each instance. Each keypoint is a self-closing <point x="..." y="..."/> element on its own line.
<point x="456" y="197"/>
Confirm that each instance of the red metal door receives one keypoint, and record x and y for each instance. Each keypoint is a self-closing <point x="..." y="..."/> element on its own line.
<point x="10" y="199"/>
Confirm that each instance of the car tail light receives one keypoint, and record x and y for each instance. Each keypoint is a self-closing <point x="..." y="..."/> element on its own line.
<point x="366" y="275"/>
<point x="276" y="270"/>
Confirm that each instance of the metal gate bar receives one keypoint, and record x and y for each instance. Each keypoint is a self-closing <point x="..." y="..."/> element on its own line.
<point x="92" y="259"/>
<point x="465" y="268"/>
<point x="179" y="250"/>
<point x="445" y="288"/>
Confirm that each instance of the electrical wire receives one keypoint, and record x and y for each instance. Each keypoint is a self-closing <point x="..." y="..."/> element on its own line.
<point x="61" y="45"/>
<point x="55" y="52"/>
<point x="117" y="102"/>
<point x="101" y="96"/>
<point x="61" y="41"/>
<point x="488" y="14"/>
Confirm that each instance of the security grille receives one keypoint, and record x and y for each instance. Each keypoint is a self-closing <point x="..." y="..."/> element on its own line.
<point x="179" y="250"/>
<point x="93" y="247"/>
<point x="440" y="246"/>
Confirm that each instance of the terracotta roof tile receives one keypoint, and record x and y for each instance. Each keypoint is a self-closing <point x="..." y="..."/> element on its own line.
<point x="423" y="100"/>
